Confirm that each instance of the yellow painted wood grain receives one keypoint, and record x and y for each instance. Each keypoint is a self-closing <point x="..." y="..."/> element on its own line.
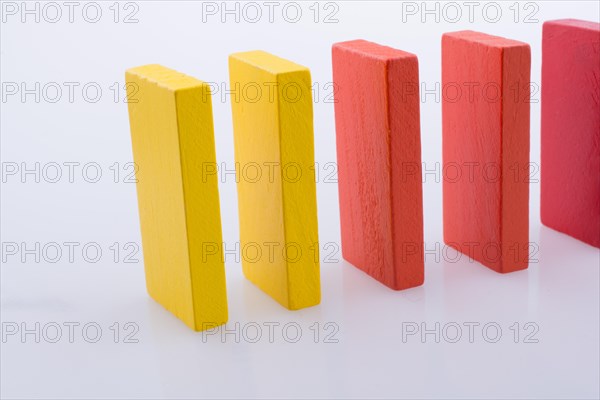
<point x="172" y="135"/>
<point x="273" y="134"/>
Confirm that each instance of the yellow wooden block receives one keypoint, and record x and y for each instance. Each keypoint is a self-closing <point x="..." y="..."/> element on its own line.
<point x="172" y="134"/>
<point x="273" y="132"/>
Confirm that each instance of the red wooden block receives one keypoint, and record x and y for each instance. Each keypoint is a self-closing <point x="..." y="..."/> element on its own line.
<point x="570" y="195"/>
<point x="485" y="112"/>
<point x="379" y="161"/>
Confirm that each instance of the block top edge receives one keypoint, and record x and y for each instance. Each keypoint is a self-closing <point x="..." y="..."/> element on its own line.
<point x="485" y="39"/>
<point x="575" y="23"/>
<point x="372" y="49"/>
<point x="165" y="77"/>
<point x="267" y="61"/>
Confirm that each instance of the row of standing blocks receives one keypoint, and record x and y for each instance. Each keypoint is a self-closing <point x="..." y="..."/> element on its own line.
<point x="377" y="135"/>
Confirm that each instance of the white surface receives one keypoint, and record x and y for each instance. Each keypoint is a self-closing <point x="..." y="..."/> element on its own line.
<point x="559" y="294"/>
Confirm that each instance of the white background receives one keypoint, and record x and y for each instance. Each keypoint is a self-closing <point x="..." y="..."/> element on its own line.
<point x="558" y="294"/>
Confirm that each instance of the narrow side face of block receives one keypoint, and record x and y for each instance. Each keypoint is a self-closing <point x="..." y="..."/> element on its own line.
<point x="570" y="171"/>
<point x="273" y="132"/>
<point x="514" y="242"/>
<point x="173" y="145"/>
<point x="202" y="205"/>
<point x="485" y="138"/>
<point x="407" y="181"/>
<point x="379" y="161"/>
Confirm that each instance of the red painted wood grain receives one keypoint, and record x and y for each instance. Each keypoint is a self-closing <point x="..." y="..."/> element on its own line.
<point x="485" y="113"/>
<point x="379" y="161"/>
<point x="570" y="180"/>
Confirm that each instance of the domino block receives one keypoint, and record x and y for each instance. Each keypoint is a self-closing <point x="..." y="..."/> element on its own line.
<point x="171" y="121"/>
<point x="485" y="112"/>
<point x="379" y="161"/>
<point x="570" y="181"/>
<point x="273" y="138"/>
